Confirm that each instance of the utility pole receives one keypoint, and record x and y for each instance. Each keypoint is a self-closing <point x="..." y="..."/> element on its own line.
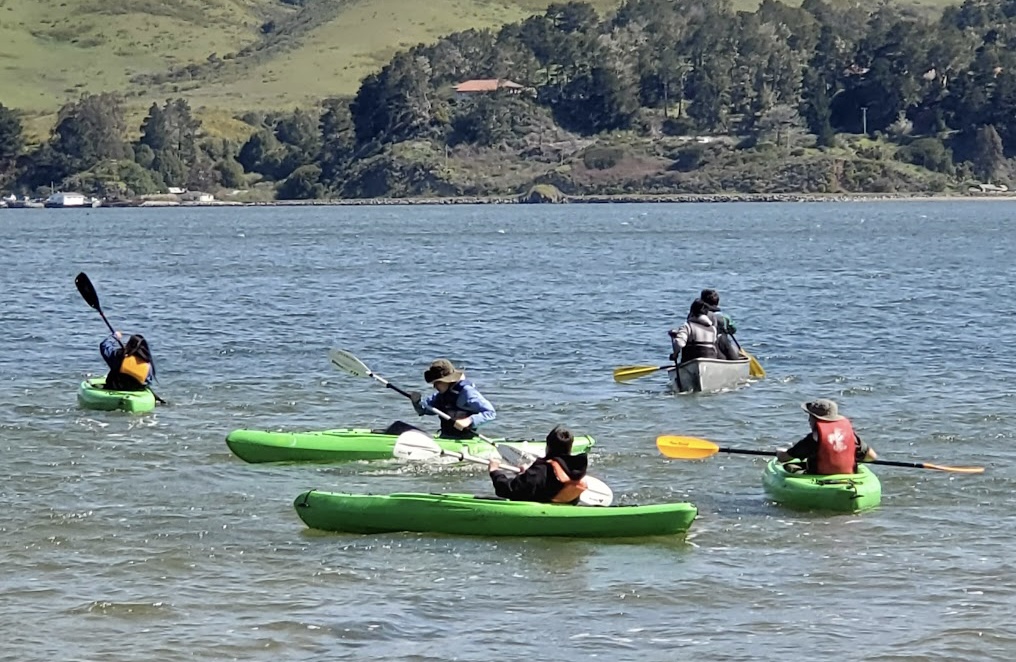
<point x="864" y="120"/>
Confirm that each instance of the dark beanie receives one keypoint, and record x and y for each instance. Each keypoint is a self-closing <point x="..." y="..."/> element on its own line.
<point x="559" y="441"/>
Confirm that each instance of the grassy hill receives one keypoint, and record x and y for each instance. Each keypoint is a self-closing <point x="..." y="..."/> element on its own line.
<point x="53" y="50"/>
<point x="240" y="53"/>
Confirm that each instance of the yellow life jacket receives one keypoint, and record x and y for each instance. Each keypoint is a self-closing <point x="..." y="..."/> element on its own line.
<point x="132" y="367"/>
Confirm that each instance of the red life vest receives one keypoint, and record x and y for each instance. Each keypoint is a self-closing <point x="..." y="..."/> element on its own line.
<point x="571" y="488"/>
<point x="837" y="447"/>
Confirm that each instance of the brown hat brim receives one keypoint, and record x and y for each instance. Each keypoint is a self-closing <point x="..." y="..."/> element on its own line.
<point x="453" y="378"/>
<point x="804" y="406"/>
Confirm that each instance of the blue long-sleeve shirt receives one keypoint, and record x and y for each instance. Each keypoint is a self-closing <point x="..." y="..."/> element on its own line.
<point x="470" y="400"/>
<point x="112" y="354"/>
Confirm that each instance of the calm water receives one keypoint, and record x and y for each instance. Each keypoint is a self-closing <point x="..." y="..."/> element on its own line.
<point x="143" y="538"/>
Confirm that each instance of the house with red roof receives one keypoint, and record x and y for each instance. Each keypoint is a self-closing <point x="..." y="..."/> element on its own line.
<point x="485" y="86"/>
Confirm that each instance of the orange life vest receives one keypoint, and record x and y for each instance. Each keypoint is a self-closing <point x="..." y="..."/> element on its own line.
<point x="571" y="489"/>
<point x="837" y="447"/>
<point x="132" y="367"/>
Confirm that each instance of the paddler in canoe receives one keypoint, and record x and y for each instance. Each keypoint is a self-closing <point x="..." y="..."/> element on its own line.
<point x="832" y="446"/>
<point x="697" y="338"/>
<point x="131" y="367"/>
<point x="454" y="395"/>
<point x="725" y="328"/>
<point x="558" y="477"/>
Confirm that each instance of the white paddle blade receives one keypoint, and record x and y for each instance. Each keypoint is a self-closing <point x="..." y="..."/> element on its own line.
<point x="346" y="362"/>
<point x="415" y="446"/>
<point x="597" y="493"/>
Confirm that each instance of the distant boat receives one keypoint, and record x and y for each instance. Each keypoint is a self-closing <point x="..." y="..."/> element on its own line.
<point x="63" y="200"/>
<point x="22" y="203"/>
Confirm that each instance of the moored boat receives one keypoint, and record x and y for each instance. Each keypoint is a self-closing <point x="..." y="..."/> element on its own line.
<point x="846" y="493"/>
<point x="352" y="444"/>
<point x="709" y="374"/>
<point x="93" y="395"/>
<point x="464" y="514"/>
<point x="23" y="203"/>
<point x="63" y="200"/>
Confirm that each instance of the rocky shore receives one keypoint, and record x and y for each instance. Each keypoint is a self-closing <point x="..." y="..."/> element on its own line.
<point x="586" y="199"/>
<point x="670" y="198"/>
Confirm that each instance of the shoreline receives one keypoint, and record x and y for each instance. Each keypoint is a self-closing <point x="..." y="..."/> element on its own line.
<point x="689" y="198"/>
<point x="677" y="198"/>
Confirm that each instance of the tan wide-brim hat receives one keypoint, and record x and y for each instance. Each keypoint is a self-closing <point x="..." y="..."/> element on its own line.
<point x="443" y="370"/>
<point x="822" y="409"/>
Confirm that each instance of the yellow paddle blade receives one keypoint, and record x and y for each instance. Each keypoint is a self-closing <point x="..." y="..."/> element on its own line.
<point x="955" y="470"/>
<point x="629" y="372"/>
<point x="685" y="448"/>
<point x="754" y="367"/>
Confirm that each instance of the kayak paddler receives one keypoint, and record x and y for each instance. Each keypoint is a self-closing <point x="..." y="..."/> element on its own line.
<point x="131" y="367"/>
<point x="456" y="396"/>
<point x="831" y="447"/>
<point x="558" y="477"/>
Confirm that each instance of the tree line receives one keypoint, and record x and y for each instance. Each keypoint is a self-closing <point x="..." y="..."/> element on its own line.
<point x="943" y="89"/>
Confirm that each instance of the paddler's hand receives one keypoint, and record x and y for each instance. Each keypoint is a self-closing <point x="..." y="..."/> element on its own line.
<point x="415" y="397"/>
<point x="493" y="465"/>
<point x="463" y="423"/>
<point x="782" y="456"/>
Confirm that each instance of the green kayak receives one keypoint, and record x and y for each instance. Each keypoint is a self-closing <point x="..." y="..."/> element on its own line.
<point x="464" y="514"/>
<point x="346" y="445"/>
<point x="847" y="493"/>
<point x="92" y="395"/>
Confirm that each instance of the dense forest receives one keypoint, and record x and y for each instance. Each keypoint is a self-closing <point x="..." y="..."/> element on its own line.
<point x="662" y="96"/>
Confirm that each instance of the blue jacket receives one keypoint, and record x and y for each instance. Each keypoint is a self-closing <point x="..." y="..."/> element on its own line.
<point x="469" y="402"/>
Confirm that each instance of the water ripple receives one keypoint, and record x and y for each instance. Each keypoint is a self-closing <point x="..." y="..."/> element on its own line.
<point x="141" y="537"/>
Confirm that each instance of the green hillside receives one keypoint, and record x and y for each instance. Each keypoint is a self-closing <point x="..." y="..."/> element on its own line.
<point x="53" y="50"/>
<point x="240" y="53"/>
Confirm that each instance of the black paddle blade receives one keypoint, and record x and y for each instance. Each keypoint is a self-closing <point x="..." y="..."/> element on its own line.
<point x="87" y="290"/>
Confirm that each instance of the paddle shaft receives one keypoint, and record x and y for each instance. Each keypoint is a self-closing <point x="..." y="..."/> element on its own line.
<point x="885" y="463"/>
<point x="756" y="368"/>
<point x="745" y="451"/>
<point x="677" y="364"/>
<point x="91" y="297"/>
<point x="110" y="326"/>
<point x="408" y="395"/>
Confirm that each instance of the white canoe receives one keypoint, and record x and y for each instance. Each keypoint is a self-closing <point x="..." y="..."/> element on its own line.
<point x="709" y="374"/>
